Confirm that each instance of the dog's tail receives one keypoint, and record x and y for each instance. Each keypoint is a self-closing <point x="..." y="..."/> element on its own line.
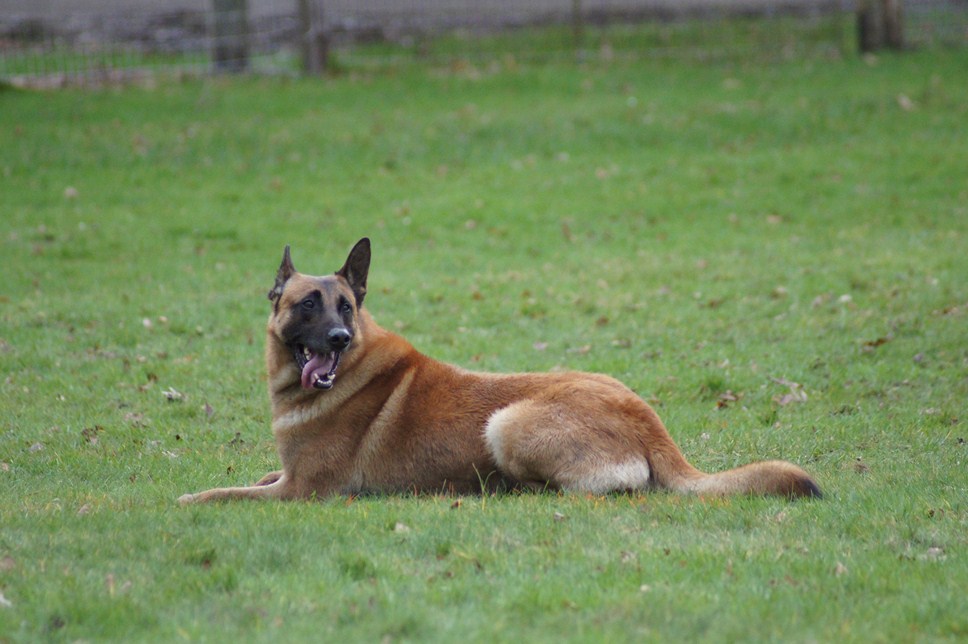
<point x="672" y="471"/>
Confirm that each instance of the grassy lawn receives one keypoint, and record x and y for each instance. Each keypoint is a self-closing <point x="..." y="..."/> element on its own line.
<point x="774" y="255"/>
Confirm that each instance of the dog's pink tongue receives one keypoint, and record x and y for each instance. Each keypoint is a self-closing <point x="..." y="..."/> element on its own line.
<point x="317" y="367"/>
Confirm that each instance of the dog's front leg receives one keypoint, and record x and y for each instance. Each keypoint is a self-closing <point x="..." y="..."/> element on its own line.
<point x="281" y="488"/>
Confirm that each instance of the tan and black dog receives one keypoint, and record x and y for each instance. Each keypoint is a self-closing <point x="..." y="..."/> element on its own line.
<point x="356" y="409"/>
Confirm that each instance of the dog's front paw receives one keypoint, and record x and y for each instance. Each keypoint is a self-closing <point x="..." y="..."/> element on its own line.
<point x="186" y="499"/>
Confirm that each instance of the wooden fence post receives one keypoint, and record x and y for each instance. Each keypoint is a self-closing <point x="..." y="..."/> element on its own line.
<point x="578" y="27"/>
<point x="893" y="24"/>
<point x="867" y="38"/>
<point x="230" y="51"/>
<point x="879" y="24"/>
<point x="314" y="44"/>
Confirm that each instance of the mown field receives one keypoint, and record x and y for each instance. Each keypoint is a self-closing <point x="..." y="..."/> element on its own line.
<point x="773" y="253"/>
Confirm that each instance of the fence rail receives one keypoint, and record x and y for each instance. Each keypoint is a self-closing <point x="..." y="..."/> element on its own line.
<point x="99" y="40"/>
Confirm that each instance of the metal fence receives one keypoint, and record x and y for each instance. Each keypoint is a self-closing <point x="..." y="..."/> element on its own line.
<point x="42" y="42"/>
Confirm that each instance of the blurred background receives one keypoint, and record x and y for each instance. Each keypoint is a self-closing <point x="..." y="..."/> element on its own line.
<point x="51" y="42"/>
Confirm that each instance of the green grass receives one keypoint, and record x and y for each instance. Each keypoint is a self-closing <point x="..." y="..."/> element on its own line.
<point x="726" y="37"/>
<point x="693" y="229"/>
<point x="68" y="61"/>
<point x="63" y="65"/>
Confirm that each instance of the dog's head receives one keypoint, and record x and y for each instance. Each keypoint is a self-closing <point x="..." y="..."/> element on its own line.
<point x="317" y="318"/>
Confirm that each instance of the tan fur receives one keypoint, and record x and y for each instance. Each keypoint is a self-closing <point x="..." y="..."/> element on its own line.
<point x="398" y="421"/>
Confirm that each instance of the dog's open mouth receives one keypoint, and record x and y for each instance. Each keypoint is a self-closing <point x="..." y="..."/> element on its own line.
<point x="318" y="369"/>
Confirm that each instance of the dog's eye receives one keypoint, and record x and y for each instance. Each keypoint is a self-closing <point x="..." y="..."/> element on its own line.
<point x="346" y="307"/>
<point x="308" y="303"/>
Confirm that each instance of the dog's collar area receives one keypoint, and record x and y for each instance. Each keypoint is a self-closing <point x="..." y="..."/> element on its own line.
<point x="317" y="370"/>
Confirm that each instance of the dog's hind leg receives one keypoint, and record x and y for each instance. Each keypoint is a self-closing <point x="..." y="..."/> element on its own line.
<point x="559" y="446"/>
<point x="595" y="435"/>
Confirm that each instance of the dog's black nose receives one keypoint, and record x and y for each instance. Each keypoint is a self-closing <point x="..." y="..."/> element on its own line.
<point x="338" y="339"/>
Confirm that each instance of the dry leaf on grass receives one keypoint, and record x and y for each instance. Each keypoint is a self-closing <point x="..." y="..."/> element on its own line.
<point x="796" y="393"/>
<point x="933" y="554"/>
<point x="111" y="586"/>
<point x="136" y="419"/>
<point x="870" y="345"/>
<point x="90" y="434"/>
<point x="726" y="398"/>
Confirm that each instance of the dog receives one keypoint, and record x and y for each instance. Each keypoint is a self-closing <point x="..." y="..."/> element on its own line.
<point x="357" y="410"/>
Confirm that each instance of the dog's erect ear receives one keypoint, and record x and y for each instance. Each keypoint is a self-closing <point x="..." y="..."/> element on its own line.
<point x="286" y="270"/>
<point x="356" y="268"/>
